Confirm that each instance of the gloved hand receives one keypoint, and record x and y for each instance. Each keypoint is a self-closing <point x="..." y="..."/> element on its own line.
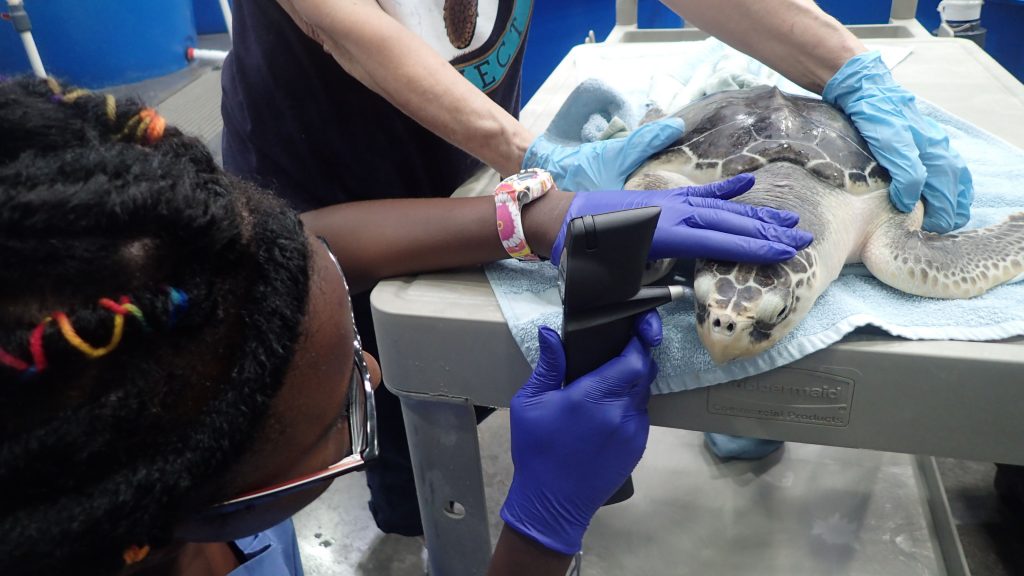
<point x="728" y="447"/>
<point x="700" y="222"/>
<point x="601" y="165"/>
<point x="914" y="149"/>
<point x="574" y="447"/>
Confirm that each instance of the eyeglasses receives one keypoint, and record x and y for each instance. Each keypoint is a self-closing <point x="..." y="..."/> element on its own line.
<point x="264" y="508"/>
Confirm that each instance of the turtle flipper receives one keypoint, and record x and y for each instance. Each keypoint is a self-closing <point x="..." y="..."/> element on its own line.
<point x="960" y="265"/>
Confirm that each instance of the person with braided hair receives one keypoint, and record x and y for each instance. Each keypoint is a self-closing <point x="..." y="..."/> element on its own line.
<point x="180" y="370"/>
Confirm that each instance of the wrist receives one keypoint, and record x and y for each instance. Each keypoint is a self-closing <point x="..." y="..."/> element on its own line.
<point x="544" y="218"/>
<point x="861" y="70"/>
<point x="517" y="554"/>
<point x="519" y="143"/>
<point x="532" y="516"/>
<point x="835" y="60"/>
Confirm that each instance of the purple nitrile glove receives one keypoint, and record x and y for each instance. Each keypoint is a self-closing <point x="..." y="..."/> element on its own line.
<point x="573" y="447"/>
<point x="701" y="222"/>
<point x="912" y="147"/>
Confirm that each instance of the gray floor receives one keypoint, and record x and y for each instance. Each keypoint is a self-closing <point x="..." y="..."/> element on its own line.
<point x="809" y="510"/>
<point x="692" y="514"/>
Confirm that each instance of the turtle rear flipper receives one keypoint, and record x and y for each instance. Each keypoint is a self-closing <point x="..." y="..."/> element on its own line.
<point x="960" y="265"/>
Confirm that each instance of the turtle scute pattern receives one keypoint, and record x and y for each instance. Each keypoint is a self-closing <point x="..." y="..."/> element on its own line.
<point x="729" y="133"/>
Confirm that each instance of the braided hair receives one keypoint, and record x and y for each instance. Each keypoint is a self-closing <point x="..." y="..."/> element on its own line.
<point x="149" y="307"/>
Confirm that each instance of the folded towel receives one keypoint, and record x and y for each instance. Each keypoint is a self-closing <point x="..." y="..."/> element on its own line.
<point x="528" y="294"/>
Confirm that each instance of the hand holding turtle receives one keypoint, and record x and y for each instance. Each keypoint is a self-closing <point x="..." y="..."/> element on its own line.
<point x="601" y="165"/>
<point x="701" y="222"/>
<point x="913" y="148"/>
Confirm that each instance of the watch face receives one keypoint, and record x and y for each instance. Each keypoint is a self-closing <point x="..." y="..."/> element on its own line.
<point x="527" y="185"/>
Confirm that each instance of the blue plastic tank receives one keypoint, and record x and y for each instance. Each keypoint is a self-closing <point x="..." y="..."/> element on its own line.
<point x="1005" y="42"/>
<point x="99" y="43"/>
<point x="209" y="18"/>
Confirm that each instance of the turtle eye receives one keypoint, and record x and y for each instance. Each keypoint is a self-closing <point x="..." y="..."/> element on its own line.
<point x="773" y="307"/>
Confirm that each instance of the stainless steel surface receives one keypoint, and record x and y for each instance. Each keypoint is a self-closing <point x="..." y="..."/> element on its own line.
<point x="942" y="518"/>
<point x="449" y="481"/>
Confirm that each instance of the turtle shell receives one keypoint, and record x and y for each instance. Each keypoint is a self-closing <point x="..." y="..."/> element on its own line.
<point x="737" y="131"/>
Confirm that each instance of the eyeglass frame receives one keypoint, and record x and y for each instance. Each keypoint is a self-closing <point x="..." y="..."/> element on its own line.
<point x="364" y="443"/>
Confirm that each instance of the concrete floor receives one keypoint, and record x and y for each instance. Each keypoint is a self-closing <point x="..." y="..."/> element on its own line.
<point x="692" y="514"/>
<point x="808" y="510"/>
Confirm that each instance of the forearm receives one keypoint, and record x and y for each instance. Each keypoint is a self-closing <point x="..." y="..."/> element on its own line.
<point x="516" y="555"/>
<point x="397" y="64"/>
<point x="794" y="37"/>
<point x="385" y="238"/>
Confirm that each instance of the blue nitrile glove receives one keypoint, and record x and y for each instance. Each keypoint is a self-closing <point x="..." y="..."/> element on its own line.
<point x="729" y="447"/>
<point x="700" y="222"/>
<point x="601" y="165"/>
<point x="574" y="447"/>
<point x="914" y="149"/>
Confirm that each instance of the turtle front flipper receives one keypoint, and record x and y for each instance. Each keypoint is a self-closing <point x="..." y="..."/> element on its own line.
<point x="960" y="265"/>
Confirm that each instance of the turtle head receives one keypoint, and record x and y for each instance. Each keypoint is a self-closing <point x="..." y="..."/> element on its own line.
<point x="744" y="309"/>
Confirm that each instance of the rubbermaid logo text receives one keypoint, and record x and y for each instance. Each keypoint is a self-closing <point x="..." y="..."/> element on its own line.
<point x="788" y="394"/>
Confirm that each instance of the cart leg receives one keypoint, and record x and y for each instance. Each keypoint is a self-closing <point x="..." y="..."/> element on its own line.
<point x="445" y="454"/>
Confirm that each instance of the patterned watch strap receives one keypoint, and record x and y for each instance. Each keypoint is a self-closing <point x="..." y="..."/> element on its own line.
<point x="510" y="196"/>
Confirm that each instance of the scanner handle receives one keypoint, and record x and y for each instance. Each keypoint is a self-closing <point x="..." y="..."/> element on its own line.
<point x="586" y="349"/>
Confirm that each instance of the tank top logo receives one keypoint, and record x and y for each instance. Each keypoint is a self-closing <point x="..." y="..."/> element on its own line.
<point x="488" y="67"/>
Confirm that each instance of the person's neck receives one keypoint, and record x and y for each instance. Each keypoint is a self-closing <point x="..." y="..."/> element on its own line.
<point x="193" y="559"/>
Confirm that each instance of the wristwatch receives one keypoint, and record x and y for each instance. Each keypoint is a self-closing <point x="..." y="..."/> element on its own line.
<point x="510" y="196"/>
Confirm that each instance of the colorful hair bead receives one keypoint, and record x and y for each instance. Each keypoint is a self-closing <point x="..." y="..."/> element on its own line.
<point x="111" y="105"/>
<point x="54" y="85"/>
<point x="13" y="361"/>
<point x="179" y="305"/>
<point x="123" y="307"/>
<point x="135" y="554"/>
<point x="35" y="345"/>
<point x="70" y="97"/>
<point x="146" y="127"/>
<point x="68" y="330"/>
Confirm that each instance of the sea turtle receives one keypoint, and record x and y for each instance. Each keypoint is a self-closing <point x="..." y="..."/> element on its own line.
<point x="808" y="158"/>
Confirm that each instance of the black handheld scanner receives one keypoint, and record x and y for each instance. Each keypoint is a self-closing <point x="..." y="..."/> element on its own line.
<point x="599" y="280"/>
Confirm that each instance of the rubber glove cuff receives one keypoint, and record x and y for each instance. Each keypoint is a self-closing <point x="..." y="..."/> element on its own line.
<point x="865" y="70"/>
<point x="601" y="165"/>
<point x="912" y="147"/>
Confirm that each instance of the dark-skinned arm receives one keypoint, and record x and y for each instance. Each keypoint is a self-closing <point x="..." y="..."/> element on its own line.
<point x="381" y="239"/>
<point x="516" y="555"/>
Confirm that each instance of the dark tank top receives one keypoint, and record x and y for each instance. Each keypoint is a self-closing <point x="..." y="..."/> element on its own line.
<point x="297" y="124"/>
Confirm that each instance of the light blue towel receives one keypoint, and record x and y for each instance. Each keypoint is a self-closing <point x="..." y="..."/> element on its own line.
<point x="528" y="294"/>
